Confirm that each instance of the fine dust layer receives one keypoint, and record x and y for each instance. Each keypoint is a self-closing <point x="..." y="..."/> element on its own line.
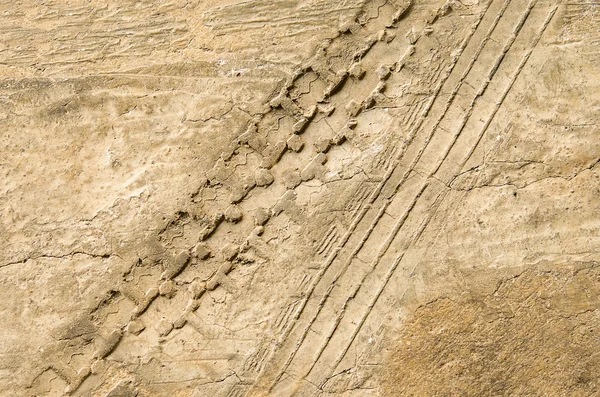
<point x="299" y="198"/>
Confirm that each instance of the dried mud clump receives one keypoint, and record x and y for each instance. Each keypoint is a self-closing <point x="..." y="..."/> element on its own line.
<point x="537" y="334"/>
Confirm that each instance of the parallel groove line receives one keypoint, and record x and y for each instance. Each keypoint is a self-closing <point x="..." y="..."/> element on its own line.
<point x="375" y="194"/>
<point x="430" y="215"/>
<point x="404" y="178"/>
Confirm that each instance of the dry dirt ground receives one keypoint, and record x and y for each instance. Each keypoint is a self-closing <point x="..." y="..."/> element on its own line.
<point x="299" y="198"/>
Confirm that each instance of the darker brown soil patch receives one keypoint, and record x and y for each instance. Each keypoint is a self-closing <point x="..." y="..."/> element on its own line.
<point x="538" y="334"/>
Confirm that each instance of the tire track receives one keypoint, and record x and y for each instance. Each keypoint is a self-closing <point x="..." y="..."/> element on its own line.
<point x="142" y="298"/>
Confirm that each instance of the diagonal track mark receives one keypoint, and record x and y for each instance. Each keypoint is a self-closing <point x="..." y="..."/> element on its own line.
<point x="372" y="199"/>
<point x="430" y="216"/>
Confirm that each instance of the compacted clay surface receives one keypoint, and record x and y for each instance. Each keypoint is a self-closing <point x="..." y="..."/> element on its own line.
<point x="299" y="198"/>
